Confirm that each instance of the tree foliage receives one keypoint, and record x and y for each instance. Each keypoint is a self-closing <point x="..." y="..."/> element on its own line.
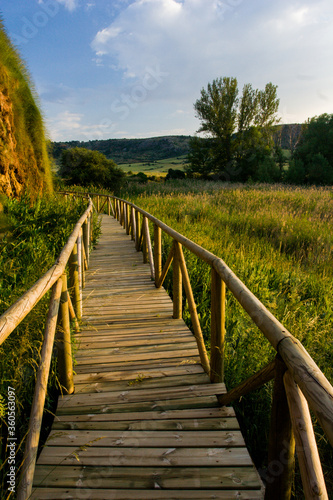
<point x="84" y="167"/>
<point x="240" y="129"/>
<point x="312" y="161"/>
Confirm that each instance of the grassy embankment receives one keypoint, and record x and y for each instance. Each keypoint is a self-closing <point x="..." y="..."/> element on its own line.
<point x="34" y="236"/>
<point x="279" y="242"/>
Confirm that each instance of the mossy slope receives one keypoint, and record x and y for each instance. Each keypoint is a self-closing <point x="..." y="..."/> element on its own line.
<point x="24" y="161"/>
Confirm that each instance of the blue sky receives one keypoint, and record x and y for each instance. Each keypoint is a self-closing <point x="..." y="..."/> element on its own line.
<point x="133" y="68"/>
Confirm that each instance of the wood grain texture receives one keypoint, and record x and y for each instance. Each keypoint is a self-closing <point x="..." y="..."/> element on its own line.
<point x="144" y="421"/>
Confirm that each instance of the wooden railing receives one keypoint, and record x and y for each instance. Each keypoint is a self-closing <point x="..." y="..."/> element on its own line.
<point x="298" y="382"/>
<point x="61" y="311"/>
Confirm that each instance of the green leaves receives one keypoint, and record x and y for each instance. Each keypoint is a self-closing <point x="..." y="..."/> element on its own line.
<point x="85" y="167"/>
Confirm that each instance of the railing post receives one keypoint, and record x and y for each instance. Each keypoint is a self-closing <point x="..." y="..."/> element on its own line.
<point x="281" y="450"/>
<point x="144" y="241"/>
<point x="109" y="208"/>
<point x="306" y="447"/>
<point x="37" y="409"/>
<point x="98" y="203"/>
<point x="64" y="346"/>
<point x="157" y="252"/>
<point x="85" y="229"/>
<point x="177" y="284"/>
<point x="137" y="235"/>
<point x="127" y="219"/>
<point x="217" y="328"/>
<point x="74" y="281"/>
<point x="133" y="224"/>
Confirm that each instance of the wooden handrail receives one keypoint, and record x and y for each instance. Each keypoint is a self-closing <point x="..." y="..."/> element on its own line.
<point x="60" y="303"/>
<point x="19" y="310"/>
<point x="291" y="356"/>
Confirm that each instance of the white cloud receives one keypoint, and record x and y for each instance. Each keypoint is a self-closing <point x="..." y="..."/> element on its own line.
<point x="68" y="124"/>
<point x="69" y="4"/>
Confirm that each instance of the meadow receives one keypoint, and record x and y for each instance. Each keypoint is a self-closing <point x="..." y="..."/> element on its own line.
<point x="155" y="168"/>
<point x="279" y="242"/>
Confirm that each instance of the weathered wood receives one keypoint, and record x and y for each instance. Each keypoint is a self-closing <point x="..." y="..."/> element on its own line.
<point x="306" y="447"/>
<point x="157" y="254"/>
<point x="149" y="250"/>
<point x="251" y="384"/>
<point x="177" y="284"/>
<point x="133" y="225"/>
<point x="127" y="218"/>
<point x="314" y="385"/>
<point x="193" y="311"/>
<point x="86" y="243"/>
<point x="72" y="313"/>
<point x="74" y="282"/>
<point x="144" y="494"/>
<point x="217" y="337"/>
<point x="64" y="345"/>
<point x="166" y="267"/>
<point x="281" y="448"/>
<point x="98" y="203"/>
<point x="138" y="233"/>
<point x="19" y="310"/>
<point x="144" y="237"/>
<point x="36" y="415"/>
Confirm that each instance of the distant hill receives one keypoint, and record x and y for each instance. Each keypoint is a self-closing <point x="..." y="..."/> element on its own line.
<point x="160" y="148"/>
<point x="24" y="161"/>
<point x="132" y="150"/>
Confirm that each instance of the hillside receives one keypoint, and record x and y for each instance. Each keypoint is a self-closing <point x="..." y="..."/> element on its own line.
<point x="159" y="148"/>
<point x="24" y="161"/>
<point x="131" y="150"/>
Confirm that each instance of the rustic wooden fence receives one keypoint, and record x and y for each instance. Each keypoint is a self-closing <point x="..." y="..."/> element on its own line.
<point x="299" y="384"/>
<point x="63" y="308"/>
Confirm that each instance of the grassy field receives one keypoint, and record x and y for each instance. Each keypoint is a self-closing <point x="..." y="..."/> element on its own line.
<point x="157" y="168"/>
<point x="279" y="242"/>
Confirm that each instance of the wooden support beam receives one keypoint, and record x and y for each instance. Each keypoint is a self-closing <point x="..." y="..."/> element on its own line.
<point x="127" y="219"/>
<point x="149" y="249"/>
<point x="74" y="282"/>
<point x="157" y="254"/>
<point x="72" y="314"/>
<point x="193" y="311"/>
<point x="138" y="234"/>
<point x="133" y="224"/>
<point x="85" y="229"/>
<point x="64" y="345"/>
<point x="281" y="448"/>
<point x="177" y="284"/>
<point x="166" y="267"/>
<point x="306" y="447"/>
<point x="36" y="415"/>
<point x="250" y="384"/>
<point x="217" y="338"/>
<point x="144" y="240"/>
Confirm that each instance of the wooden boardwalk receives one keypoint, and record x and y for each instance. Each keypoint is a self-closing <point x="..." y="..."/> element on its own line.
<point x="144" y="422"/>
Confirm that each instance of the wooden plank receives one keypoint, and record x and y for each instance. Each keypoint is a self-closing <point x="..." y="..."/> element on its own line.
<point x="146" y="477"/>
<point x="159" y="404"/>
<point x="148" y="425"/>
<point x="179" y="438"/>
<point x="152" y="494"/>
<point x="157" y="457"/>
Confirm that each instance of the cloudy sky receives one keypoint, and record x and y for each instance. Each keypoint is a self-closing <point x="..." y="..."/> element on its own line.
<point x="133" y="68"/>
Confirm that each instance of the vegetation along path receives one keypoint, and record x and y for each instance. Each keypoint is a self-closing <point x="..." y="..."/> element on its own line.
<point x="144" y="422"/>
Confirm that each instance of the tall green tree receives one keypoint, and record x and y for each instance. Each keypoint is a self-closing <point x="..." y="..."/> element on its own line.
<point x="240" y="128"/>
<point x="312" y="161"/>
<point x="217" y="110"/>
<point x="85" y="167"/>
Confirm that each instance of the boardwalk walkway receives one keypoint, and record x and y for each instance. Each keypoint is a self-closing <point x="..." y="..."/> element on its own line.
<point x="144" y="422"/>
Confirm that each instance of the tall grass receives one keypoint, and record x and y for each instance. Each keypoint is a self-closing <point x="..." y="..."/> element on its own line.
<point x="279" y="242"/>
<point x="22" y="134"/>
<point x="36" y="233"/>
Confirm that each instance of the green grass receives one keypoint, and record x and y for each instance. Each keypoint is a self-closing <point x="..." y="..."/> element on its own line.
<point x="157" y="168"/>
<point x="279" y="242"/>
<point x="35" y="235"/>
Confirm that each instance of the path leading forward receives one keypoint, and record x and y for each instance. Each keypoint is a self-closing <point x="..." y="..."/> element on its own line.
<point x="144" y="422"/>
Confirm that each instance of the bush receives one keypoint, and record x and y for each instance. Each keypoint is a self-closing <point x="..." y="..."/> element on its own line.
<point x="84" y="167"/>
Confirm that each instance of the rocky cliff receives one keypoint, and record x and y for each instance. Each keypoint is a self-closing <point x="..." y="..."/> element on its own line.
<point x="24" y="161"/>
